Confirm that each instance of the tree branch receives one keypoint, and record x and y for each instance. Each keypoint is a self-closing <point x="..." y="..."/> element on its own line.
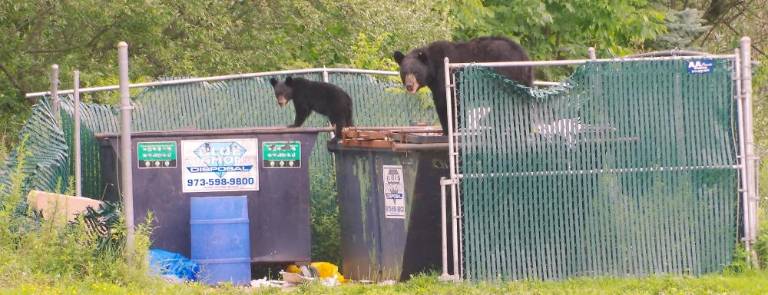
<point x="722" y="20"/>
<point x="11" y="78"/>
<point x="758" y="50"/>
<point x="90" y="42"/>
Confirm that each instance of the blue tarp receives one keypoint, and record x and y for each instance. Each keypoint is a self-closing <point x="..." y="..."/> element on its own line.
<point x="173" y="264"/>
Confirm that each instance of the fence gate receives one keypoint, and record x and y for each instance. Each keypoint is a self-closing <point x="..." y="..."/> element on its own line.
<point x="628" y="168"/>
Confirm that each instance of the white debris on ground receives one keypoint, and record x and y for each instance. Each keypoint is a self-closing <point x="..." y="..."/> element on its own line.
<point x="323" y="273"/>
<point x="330" y="282"/>
<point x="262" y="283"/>
<point x="291" y="280"/>
<point x="387" y="283"/>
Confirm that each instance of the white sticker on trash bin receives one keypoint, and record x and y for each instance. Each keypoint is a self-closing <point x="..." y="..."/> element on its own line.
<point x="220" y="165"/>
<point x="394" y="191"/>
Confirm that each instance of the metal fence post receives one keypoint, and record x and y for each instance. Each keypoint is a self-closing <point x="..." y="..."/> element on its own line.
<point x="744" y="187"/>
<point x="325" y="75"/>
<point x="56" y="103"/>
<point x="749" y="141"/>
<point x="78" y="156"/>
<point x="452" y="163"/>
<point x="125" y="146"/>
<point x="443" y="230"/>
<point x="326" y="79"/>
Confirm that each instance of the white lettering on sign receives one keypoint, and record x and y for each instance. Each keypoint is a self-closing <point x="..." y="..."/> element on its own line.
<point x="700" y="66"/>
<point x="394" y="191"/>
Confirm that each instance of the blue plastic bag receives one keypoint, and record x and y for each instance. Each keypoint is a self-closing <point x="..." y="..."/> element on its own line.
<point x="173" y="264"/>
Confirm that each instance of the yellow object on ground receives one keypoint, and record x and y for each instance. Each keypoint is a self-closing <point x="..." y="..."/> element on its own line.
<point x="293" y="269"/>
<point x="61" y="206"/>
<point x="324" y="270"/>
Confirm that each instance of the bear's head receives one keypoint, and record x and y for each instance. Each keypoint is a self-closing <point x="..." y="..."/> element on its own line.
<point x="283" y="90"/>
<point x="414" y="69"/>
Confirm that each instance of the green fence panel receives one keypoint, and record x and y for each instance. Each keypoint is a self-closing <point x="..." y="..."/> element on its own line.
<point x="46" y="165"/>
<point x="629" y="168"/>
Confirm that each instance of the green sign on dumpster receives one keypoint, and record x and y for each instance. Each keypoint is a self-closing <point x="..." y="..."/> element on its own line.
<point x="161" y="154"/>
<point x="281" y="154"/>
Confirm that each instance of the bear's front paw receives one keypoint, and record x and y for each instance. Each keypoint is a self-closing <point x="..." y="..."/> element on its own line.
<point x="293" y="126"/>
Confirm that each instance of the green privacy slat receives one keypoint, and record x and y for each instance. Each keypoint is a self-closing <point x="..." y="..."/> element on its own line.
<point x="628" y="169"/>
<point x="47" y="153"/>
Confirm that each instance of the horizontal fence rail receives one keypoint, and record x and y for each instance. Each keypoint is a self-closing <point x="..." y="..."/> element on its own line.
<point x="581" y="61"/>
<point x="236" y="76"/>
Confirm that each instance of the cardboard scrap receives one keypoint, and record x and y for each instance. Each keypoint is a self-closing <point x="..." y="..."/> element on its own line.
<point x="51" y="204"/>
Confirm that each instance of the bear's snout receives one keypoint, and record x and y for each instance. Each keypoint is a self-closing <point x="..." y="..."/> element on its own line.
<point x="282" y="101"/>
<point x="411" y="84"/>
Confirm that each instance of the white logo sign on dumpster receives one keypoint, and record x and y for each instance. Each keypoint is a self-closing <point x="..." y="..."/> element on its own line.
<point x="219" y="165"/>
<point x="394" y="191"/>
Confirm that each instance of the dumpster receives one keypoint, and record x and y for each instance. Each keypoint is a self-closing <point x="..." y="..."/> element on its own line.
<point x="389" y="200"/>
<point x="267" y="165"/>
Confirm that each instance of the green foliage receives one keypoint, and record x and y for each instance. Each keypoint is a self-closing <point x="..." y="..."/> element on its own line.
<point x="760" y="98"/>
<point x="761" y="245"/>
<point x="326" y="229"/>
<point x="3" y="151"/>
<point x="369" y="52"/>
<point x="740" y="262"/>
<point x="683" y="27"/>
<point x="195" y="38"/>
<point x="9" y="204"/>
<point x="11" y="121"/>
<point x="563" y="29"/>
<point x="36" y="251"/>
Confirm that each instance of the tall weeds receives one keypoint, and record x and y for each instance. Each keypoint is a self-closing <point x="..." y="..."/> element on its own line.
<point x="47" y="251"/>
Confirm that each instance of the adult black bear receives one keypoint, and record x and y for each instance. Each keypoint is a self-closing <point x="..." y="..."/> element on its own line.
<point x="424" y="66"/>
<point x="307" y="96"/>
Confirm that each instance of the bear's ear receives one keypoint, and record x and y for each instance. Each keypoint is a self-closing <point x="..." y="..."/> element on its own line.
<point x="398" y="57"/>
<point x="273" y="81"/>
<point x="288" y="80"/>
<point x="422" y="56"/>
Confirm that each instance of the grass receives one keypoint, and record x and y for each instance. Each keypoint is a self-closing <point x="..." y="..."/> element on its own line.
<point x="744" y="283"/>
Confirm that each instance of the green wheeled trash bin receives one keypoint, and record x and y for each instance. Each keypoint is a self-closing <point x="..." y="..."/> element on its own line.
<point x="389" y="200"/>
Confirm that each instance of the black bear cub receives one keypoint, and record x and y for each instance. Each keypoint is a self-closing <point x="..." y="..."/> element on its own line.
<point x="424" y="66"/>
<point x="307" y="96"/>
